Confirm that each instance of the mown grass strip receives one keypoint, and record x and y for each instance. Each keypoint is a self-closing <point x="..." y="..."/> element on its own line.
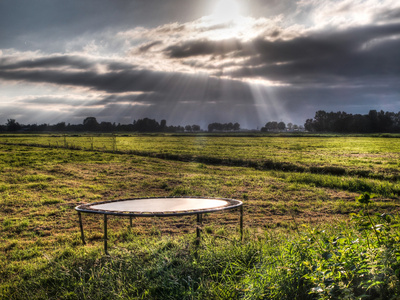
<point x="265" y="164"/>
<point x="353" y="184"/>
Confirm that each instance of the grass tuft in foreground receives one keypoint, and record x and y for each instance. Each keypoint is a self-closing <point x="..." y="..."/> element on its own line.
<point x="357" y="259"/>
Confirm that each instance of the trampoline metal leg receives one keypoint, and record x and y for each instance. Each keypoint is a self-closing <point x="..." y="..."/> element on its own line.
<point x="81" y="227"/>
<point x="241" y="223"/>
<point x="105" y="234"/>
<point x="130" y="221"/>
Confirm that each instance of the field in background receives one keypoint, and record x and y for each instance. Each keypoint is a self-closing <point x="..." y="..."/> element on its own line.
<point x="283" y="182"/>
<point x="362" y="163"/>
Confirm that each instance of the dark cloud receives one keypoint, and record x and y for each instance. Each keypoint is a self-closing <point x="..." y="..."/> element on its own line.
<point x="49" y="62"/>
<point x="203" y="47"/>
<point x="112" y="82"/>
<point x="388" y="15"/>
<point x="122" y="78"/>
<point x="120" y="66"/>
<point x="365" y="52"/>
<point x="145" y="98"/>
<point x="133" y="59"/>
<point x="26" y="22"/>
<point x="365" y="55"/>
<point x="147" y="46"/>
<point x="49" y="100"/>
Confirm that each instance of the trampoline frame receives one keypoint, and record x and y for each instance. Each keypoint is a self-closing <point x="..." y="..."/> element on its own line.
<point x="85" y="208"/>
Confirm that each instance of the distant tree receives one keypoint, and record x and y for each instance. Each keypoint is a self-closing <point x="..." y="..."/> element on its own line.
<point x="163" y="125"/>
<point x="272" y="126"/>
<point x="178" y="128"/>
<point x="223" y="127"/>
<point x="42" y="127"/>
<point x="13" y="125"/>
<point x="338" y="122"/>
<point x="396" y="121"/>
<point x="359" y="123"/>
<point x="90" y="123"/>
<point x="373" y="120"/>
<point x="308" y="125"/>
<point x="107" y="126"/>
<point x="281" y="126"/>
<point x="188" y="128"/>
<point x="228" y="126"/>
<point x="211" y="127"/>
<point x="343" y="122"/>
<point x="385" y="121"/>
<point x="320" y="123"/>
<point x="59" y="126"/>
<point x="146" y="125"/>
<point x="289" y="126"/>
<point x="196" y="128"/>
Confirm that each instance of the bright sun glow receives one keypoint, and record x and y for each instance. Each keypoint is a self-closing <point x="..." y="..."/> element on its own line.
<point x="226" y="11"/>
<point x="227" y="21"/>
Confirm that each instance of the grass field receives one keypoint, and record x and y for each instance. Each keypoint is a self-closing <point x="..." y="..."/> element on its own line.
<point x="301" y="241"/>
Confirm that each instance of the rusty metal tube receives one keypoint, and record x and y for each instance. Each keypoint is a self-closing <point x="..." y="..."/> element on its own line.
<point x="105" y="234"/>
<point x="81" y="227"/>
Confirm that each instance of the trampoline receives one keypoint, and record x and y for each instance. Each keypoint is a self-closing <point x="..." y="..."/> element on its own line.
<point x="158" y="207"/>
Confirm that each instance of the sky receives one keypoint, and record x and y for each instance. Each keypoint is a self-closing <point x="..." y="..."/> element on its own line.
<point x="197" y="61"/>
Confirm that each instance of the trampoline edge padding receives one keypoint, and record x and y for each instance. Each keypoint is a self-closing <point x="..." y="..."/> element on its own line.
<point x="159" y="206"/>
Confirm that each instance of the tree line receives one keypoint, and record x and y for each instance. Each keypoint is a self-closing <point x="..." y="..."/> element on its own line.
<point x="91" y="124"/>
<point x="342" y="122"/>
<point x="373" y="122"/>
<point x="280" y="126"/>
<point x="223" y="127"/>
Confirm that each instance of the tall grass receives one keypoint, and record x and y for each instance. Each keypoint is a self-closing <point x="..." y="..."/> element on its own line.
<point x="340" y="262"/>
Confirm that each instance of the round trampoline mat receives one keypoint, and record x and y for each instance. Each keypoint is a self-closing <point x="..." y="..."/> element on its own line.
<point x="160" y="206"/>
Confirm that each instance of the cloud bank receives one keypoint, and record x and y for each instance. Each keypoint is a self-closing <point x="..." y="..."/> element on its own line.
<point x="281" y="63"/>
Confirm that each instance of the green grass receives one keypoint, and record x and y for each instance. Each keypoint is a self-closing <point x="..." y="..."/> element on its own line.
<point x="335" y="263"/>
<point x="301" y="241"/>
<point x="362" y="156"/>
